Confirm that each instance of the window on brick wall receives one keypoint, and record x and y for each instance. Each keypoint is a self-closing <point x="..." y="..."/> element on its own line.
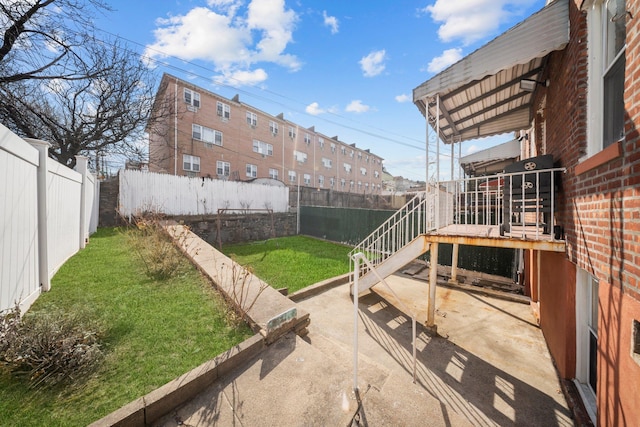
<point x="252" y="171"/>
<point x="223" y="169"/>
<point x="192" y="98"/>
<point x="223" y="110"/>
<point x="190" y="163"/>
<point x="273" y="127"/>
<point x="252" y="119"/>
<point x="209" y="136"/>
<point x="292" y="176"/>
<point x="273" y="173"/>
<point x="607" y="45"/>
<point x="307" y="179"/>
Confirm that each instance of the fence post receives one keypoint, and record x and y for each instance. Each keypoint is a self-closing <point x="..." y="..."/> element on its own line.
<point x="81" y="167"/>
<point x="43" y="250"/>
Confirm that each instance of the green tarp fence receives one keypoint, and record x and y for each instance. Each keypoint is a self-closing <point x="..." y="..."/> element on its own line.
<point x="351" y="226"/>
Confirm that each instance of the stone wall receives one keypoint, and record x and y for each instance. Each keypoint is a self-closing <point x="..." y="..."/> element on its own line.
<point x="108" y="217"/>
<point x="236" y="228"/>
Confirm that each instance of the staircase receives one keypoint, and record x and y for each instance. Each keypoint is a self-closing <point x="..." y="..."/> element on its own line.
<point x="398" y="241"/>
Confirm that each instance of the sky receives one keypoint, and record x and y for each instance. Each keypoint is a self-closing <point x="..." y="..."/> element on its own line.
<point x="347" y="67"/>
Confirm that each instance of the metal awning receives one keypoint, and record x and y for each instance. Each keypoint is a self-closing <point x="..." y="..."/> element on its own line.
<point x="480" y="95"/>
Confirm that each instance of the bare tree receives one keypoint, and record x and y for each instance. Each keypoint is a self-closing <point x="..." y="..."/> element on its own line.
<point x="61" y="84"/>
<point x="45" y="39"/>
<point x="106" y="113"/>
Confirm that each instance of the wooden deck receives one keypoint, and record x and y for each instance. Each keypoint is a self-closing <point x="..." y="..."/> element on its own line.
<point x="489" y="235"/>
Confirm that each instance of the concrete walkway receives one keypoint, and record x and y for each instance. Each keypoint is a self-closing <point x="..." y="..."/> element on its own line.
<point x="493" y="368"/>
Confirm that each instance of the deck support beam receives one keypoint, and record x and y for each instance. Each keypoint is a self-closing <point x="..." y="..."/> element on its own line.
<point x="433" y="278"/>
<point x="454" y="264"/>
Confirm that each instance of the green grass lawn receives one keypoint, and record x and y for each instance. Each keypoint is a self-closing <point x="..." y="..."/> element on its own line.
<point x="292" y="262"/>
<point x="155" y="331"/>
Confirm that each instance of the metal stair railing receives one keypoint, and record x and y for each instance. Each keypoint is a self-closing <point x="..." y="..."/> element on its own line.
<point x="413" y="219"/>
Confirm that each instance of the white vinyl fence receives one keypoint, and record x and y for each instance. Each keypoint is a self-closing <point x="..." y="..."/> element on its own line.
<point x="180" y="195"/>
<point x="47" y="212"/>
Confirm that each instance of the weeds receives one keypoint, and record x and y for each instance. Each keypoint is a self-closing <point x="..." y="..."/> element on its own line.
<point x="154" y="247"/>
<point x="48" y="348"/>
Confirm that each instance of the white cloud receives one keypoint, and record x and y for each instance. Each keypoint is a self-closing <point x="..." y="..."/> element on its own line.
<point x="448" y="57"/>
<point x="356" y="106"/>
<point x="242" y="77"/>
<point x="232" y="38"/>
<point x="403" y="98"/>
<point x="314" y="109"/>
<point x="331" y="22"/>
<point x="472" y="20"/>
<point x="373" y="64"/>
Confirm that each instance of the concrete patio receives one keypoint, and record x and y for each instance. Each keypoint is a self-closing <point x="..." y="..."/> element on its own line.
<point x="489" y="365"/>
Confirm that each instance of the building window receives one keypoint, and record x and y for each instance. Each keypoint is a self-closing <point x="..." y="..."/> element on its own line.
<point x="367" y="159"/>
<point x="292" y="176"/>
<point x="359" y="156"/>
<point x="223" y="110"/>
<point x="252" y="119"/>
<point x="363" y="171"/>
<point x="376" y="174"/>
<point x="209" y="136"/>
<point x="292" y="132"/>
<point x="223" y="168"/>
<point x="351" y="154"/>
<point x="332" y="182"/>
<point x="321" y="180"/>
<point x="333" y="147"/>
<point x="300" y="156"/>
<point x="273" y="127"/>
<point x="321" y="143"/>
<point x="606" y="22"/>
<point x="326" y="163"/>
<point x="192" y="98"/>
<point x="273" y="173"/>
<point x="359" y="185"/>
<point x="307" y="138"/>
<point x="344" y="151"/>
<point x="307" y="179"/>
<point x="190" y="163"/>
<point x="587" y="339"/>
<point x="252" y="170"/>
<point x="262" y="148"/>
<point x="342" y="182"/>
<point x="347" y="168"/>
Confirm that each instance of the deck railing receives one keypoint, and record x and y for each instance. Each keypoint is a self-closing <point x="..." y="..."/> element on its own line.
<point x="521" y="204"/>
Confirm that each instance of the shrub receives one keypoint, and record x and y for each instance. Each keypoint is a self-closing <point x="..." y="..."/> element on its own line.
<point x="154" y="248"/>
<point x="48" y="348"/>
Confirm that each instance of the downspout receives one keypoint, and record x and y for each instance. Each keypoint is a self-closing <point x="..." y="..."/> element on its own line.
<point x="175" y="130"/>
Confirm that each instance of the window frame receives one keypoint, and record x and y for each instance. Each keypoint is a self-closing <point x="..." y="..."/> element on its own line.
<point x="191" y="163"/>
<point x="223" y="110"/>
<point x="251" y="170"/>
<point x="252" y="119"/>
<point x="194" y="97"/>
<point x="600" y="64"/>
<point x="224" y="166"/>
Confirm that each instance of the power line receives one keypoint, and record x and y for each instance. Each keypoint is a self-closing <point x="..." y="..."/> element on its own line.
<point x="269" y="100"/>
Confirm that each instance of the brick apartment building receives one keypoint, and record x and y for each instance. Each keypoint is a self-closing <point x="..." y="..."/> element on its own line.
<point x="581" y="61"/>
<point x="204" y="134"/>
